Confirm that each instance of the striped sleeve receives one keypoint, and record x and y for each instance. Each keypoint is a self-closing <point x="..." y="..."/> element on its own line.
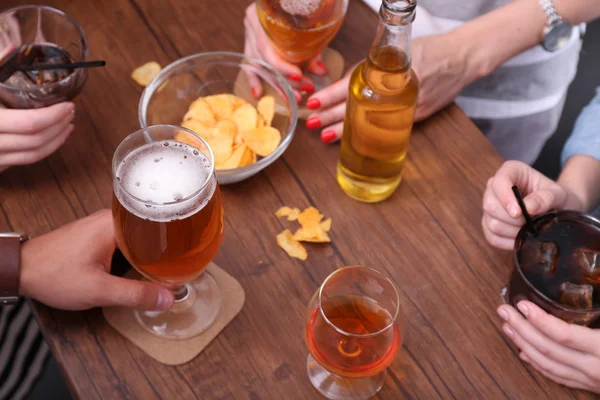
<point x="585" y="138"/>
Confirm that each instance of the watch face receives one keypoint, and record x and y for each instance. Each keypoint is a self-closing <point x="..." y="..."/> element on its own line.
<point x="557" y="36"/>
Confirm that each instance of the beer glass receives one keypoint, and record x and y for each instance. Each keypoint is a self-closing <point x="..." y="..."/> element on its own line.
<point x="300" y="29"/>
<point x="354" y="328"/>
<point x="168" y="218"/>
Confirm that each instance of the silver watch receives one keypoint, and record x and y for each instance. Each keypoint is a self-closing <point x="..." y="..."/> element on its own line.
<point x="557" y="32"/>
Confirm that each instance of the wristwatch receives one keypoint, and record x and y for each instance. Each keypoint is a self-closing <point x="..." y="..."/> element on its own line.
<point x="556" y="32"/>
<point x="10" y="266"/>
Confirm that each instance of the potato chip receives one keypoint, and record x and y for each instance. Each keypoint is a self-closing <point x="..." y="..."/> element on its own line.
<point x="266" y="108"/>
<point x="222" y="105"/>
<point x="245" y="117"/>
<point x="310" y="220"/>
<point x="291" y="213"/>
<point x="238" y="158"/>
<point x="225" y="128"/>
<point x="222" y="147"/>
<point x="260" y="122"/>
<point x="144" y="74"/>
<point x="263" y="141"/>
<point x="326" y="225"/>
<point x="200" y="111"/>
<point x="185" y="137"/>
<point x="318" y="236"/>
<point x="198" y="128"/>
<point x="293" y="248"/>
<point x="249" y="157"/>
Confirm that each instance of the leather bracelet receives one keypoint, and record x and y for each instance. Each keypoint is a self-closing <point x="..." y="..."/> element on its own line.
<point x="10" y="266"/>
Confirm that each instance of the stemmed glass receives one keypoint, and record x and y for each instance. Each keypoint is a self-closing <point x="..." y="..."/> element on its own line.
<point x="301" y="29"/>
<point x="354" y="327"/>
<point x="168" y="217"/>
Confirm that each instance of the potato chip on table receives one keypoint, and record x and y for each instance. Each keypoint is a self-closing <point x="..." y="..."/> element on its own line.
<point x="144" y="74"/>
<point x="312" y="229"/>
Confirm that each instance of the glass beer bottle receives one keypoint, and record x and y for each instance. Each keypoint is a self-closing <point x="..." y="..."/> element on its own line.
<point x="381" y="108"/>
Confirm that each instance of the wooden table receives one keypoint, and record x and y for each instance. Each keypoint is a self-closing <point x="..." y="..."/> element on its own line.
<point x="427" y="236"/>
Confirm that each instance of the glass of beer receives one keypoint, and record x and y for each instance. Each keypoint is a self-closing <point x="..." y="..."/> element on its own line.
<point x="354" y="329"/>
<point x="301" y="29"/>
<point x="168" y="216"/>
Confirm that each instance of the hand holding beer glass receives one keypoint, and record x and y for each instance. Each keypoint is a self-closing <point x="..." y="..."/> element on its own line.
<point x="300" y="30"/>
<point x="168" y="216"/>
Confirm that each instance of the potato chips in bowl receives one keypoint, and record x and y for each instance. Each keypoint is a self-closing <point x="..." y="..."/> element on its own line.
<point x="210" y="94"/>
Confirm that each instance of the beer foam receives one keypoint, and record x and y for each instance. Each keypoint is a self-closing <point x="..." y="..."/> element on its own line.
<point x="164" y="172"/>
<point x="303" y="8"/>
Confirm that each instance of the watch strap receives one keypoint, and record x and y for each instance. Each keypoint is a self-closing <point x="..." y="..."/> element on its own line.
<point x="551" y="14"/>
<point x="10" y="263"/>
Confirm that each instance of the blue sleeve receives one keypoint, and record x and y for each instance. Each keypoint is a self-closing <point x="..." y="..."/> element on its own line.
<point x="585" y="138"/>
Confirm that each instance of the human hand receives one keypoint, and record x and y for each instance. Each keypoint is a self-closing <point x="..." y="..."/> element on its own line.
<point x="330" y="109"/>
<point x="257" y="45"/>
<point x="27" y="136"/>
<point x="566" y="353"/>
<point x="502" y="217"/>
<point x="69" y="268"/>
<point x="443" y="71"/>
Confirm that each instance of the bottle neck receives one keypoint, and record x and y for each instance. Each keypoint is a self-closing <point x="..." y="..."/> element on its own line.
<point x="394" y="31"/>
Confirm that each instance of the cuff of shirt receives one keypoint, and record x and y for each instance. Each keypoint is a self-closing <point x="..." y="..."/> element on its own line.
<point x="585" y="138"/>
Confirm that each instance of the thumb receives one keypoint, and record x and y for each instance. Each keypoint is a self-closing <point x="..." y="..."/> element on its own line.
<point x="136" y="294"/>
<point x="544" y="200"/>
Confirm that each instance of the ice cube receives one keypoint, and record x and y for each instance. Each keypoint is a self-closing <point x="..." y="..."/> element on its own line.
<point x="20" y="80"/>
<point x="576" y="296"/>
<point x="588" y="261"/>
<point x="542" y="254"/>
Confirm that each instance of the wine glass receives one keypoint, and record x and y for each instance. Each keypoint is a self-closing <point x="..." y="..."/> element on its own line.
<point x="301" y="29"/>
<point x="354" y="328"/>
<point x="168" y="218"/>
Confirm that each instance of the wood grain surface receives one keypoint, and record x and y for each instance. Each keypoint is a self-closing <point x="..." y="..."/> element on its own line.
<point x="427" y="237"/>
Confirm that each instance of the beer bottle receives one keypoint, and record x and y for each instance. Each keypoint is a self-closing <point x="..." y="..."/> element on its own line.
<point x="381" y="108"/>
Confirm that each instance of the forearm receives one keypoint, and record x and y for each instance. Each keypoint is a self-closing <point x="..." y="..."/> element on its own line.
<point x="492" y="39"/>
<point x="581" y="174"/>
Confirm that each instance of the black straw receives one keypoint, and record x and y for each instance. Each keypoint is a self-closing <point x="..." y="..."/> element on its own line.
<point x="45" y="67"/>
<point x="528" y="218"/>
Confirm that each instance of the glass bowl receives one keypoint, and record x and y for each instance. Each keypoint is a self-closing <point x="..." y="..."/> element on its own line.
<point x="169" y="95"/>
<point x="42" y="25"/>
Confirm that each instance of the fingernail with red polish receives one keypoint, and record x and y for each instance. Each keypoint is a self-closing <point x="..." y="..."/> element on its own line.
<point x="255" y="93"/>
<point x="308" y="88"/>
<point x="322" y="66"/>
<point x="313" y="123"/>
<point x="295" y="77"/>
<point x="313" y="104"/>
<point x="328" y="136"/>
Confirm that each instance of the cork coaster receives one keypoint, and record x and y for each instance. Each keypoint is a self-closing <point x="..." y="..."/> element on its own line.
<point x="332" y="59"/>
<point x="176" y="352"/>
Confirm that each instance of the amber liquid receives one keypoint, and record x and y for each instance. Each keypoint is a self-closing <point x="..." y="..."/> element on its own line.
<point x="174" y="252"/>
<point x="379" y="120"/>
<point x="349" y="356"/>
<point x="296" y="36"/>
<point x="35" y="54"/>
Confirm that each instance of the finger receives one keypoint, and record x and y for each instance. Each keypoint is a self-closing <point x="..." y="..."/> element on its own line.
<point x="331" y="95"/>
<point x="31" y="121"/>
<point x="536" y="343"/>
<point x="317" y="66"/>
<point x="500" y="228"/>
<point x="249" y="49"/>
<point x="291" y="71"/>
<point x="32" y="156"/>
<point x="141" y="295"/>
<point x="495" y="240"/>
<point x="544" y="200"/>
<point x="566" y="382"/>
<point x="12" y="142"/>
<point x="330" y="116"/>
<point x="544" y="364"/>
<point x="572" y="336"/>
<point x="332" y="133"/>
<point x="493" y="207"/>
